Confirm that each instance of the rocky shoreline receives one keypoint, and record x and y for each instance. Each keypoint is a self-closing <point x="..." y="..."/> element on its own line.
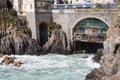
<point x="110" y="59"/>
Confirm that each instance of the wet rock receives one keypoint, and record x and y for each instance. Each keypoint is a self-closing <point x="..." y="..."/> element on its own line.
<point x="1" y="55"/>
<point x="7" y="60"/>
<point x="98" y="55"/>
<point x="96" y="74"/>
<point x="11" y="61"/>
<point x="18" y="63"/>
<point x="110" y="60"/>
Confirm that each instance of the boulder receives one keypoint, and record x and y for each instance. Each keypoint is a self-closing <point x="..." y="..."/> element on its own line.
<point x="8" y="60"/>
<point x="1" y="55"/>
<point x="18" y="63"/>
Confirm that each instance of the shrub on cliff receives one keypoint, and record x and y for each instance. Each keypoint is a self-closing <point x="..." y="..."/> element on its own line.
<point x="13" y="12"/>
<point x="53" y="26"/>
<point x="29" y="32"/>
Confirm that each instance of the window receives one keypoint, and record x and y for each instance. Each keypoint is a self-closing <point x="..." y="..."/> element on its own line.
<point x="30" y="6"/>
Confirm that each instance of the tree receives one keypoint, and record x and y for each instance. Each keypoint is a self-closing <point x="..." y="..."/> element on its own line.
<point x="99" y="6"/>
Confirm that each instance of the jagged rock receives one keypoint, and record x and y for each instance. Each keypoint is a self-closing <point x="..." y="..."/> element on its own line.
<point x="98" y="55"/>
<point x="33" y="48"/>
<point x="8" y="60"/>
<point x="18" y="43"/>
<point x="57" y="42"/>
<point x="18" y="63"/>
<point x="110" y="61"/>
<point x="96" y="74"/>
<point x="1" y="55"/>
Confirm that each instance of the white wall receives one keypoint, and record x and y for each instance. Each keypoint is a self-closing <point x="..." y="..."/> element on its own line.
<point x="15" y="4"/>
<point x="28" y="5"/>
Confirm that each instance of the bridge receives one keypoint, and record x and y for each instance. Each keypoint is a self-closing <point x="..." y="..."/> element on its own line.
<point x="81" y="24"/>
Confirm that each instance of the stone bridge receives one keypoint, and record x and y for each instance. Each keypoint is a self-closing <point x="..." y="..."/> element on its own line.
<point x="68" y="18"/>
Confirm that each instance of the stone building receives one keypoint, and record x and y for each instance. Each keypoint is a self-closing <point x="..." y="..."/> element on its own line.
<point x="38" y="15"/>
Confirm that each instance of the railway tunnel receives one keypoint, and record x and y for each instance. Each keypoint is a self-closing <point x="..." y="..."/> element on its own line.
<point x="88" y="35"/>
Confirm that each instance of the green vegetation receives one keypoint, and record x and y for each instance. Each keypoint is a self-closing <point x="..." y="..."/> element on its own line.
<point x="13" y="12"/>
<point x="118" y="6"/>
<point x="54" y="26"/>
<point x="102" y="6"/>
<point x="9" y="18"/>
<point x="99" y="6"/>
<point x="29" y="32"/>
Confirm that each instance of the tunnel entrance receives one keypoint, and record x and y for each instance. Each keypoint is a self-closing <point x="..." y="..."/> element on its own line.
<point x="88" y="35"/>
<point x="87" y="47"/>
<point x="43" y="31"/>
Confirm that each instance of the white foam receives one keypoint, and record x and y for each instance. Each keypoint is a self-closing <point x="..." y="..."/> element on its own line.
<point x="51" y="66"/>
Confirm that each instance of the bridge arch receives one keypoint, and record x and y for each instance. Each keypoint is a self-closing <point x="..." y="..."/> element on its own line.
<point x="89" y="34"/>
<point x="87" y="17"/>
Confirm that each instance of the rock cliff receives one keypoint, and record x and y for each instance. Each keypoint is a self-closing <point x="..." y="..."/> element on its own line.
<point x="110" y="61"/>
<point x="18" y="42"/>
<point x="57" y="43"/>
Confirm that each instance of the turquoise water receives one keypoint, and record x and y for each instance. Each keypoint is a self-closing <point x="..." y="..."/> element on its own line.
<point x="49" y="67"/>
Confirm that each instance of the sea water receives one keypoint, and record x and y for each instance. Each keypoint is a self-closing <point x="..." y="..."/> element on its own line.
<point x="49" y="67"/>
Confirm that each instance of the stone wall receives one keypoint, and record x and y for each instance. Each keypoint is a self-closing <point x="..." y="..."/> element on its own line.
<point x="68" y="18"/>
<point x="31" y="19"/>
<point x="45" y="17"/>
<point x="34" y="20"/>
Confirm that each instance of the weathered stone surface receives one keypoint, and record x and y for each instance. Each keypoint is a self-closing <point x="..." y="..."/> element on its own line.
<point x="57" y="42"/>
<point x="96" y="74"/>
<point x="110" y="61"/>
<point x="11" y="60"/>
<point x="1" y="55"/>
<point x="98" y="55"/>
<point x="18" y="43"/>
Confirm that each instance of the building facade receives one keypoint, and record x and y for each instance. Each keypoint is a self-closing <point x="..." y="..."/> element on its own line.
<point x="38" y="14"/>
<point x="23" y="6"/>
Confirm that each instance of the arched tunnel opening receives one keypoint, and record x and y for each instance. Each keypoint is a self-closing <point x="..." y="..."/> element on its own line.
<point x="43" y="31"/>
<point x="88" y="35"/>
<point x="87" y="47"/>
